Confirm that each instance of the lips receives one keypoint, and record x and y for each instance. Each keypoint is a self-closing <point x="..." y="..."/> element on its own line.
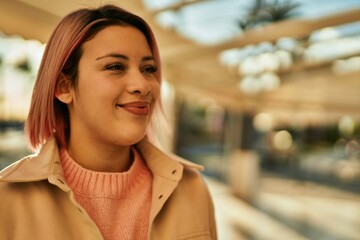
<point x="140" y="108"/>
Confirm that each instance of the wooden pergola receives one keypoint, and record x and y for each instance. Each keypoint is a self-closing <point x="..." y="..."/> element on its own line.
<point x="195" y="70"/>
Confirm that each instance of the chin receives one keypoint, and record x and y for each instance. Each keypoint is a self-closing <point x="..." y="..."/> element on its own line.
<point x="130" y="140"/>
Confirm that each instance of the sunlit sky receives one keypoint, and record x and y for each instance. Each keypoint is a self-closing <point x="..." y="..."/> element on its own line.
<point x="214" y="21"/>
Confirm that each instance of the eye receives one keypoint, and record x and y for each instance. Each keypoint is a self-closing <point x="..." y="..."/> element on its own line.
<point x="150" y="69"/>
<point x="115" y="67"/>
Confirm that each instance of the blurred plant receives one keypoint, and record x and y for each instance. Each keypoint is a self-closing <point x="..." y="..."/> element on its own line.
<point x="23" y="65"/>
<point x="264" y="12"/>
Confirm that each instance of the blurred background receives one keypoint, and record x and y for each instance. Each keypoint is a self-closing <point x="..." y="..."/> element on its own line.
<point x="264" y="93"/>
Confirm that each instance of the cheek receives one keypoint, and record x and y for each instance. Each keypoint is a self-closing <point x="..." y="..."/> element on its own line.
<point x="96" y="87"/>
<point x="155" y="88"/>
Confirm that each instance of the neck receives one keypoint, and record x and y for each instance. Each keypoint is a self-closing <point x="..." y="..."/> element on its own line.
<point x="101" y="158"/>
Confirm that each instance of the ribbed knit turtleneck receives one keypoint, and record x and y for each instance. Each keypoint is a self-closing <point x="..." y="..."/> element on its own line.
<point x="119" y="203"/>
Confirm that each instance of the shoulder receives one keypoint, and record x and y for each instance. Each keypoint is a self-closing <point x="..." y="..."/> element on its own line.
<point x="186" y="163"/>
<point x="11" y="189"/>
<point x="16" y="197"/>
<point x="193" y="184"/>
<point x="163" y="163"/>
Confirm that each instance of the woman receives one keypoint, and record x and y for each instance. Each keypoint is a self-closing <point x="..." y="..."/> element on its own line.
<point x="96" y="175"/>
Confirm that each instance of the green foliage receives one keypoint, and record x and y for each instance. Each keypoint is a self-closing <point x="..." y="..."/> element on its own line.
<point x="265" y="12"/>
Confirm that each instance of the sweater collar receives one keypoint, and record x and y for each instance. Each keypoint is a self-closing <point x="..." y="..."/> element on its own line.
<point x="105" y="184"/>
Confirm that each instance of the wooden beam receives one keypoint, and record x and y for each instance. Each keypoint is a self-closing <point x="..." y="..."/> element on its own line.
<point x="17" y="18"/>
<point x="296" y="28"/>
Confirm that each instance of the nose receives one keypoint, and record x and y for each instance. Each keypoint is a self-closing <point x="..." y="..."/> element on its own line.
<point x="139" y="84"/>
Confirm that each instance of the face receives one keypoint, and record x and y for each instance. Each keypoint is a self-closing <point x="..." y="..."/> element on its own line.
<point x="117" y="88"/>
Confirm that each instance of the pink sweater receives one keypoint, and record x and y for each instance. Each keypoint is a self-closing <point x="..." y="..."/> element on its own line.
<point x="119" y="203"/>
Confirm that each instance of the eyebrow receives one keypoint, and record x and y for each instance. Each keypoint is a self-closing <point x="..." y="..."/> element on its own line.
<point x="117" y="55"/>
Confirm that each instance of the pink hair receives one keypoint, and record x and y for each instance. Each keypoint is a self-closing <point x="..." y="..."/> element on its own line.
<point x="48" y="117"/>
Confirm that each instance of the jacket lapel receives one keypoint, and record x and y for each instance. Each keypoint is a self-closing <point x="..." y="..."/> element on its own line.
<point x="167" y="171"/>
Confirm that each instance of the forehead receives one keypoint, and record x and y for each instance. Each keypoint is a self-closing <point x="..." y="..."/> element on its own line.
<point x="123" y="39"/>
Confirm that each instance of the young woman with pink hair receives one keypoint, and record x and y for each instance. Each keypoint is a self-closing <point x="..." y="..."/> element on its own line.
<point x="96" y="174"/>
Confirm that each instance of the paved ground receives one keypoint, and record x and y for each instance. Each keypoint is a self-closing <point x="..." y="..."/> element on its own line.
<point x="288" y="210"/>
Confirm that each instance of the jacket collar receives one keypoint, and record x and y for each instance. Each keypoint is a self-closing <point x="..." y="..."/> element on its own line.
<point x="34" y="167"/>
<point x="46" y="164"/>
<point x="165" y="165"/>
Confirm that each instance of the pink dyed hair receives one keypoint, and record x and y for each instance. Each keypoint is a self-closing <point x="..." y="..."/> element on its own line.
<point x="48" y="117"/>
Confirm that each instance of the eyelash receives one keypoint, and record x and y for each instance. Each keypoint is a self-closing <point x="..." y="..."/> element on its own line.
<point x="120" y="67"/>
<point x="150" y="69"/>
<point x="115" y="67"/>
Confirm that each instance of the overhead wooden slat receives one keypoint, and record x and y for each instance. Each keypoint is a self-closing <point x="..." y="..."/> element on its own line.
<point x="296" y="28"/>
<point x="196" y="71"/>
<point x="17" y="18"/>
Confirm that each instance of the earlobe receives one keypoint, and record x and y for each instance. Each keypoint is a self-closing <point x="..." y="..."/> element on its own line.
<point x="63" y="90"/>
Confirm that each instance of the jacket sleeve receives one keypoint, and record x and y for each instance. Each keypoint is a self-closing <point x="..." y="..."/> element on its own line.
<point x="212" y="221"/>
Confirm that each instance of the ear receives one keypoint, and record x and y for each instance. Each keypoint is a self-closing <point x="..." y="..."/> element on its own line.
<point x="63" y="89"/>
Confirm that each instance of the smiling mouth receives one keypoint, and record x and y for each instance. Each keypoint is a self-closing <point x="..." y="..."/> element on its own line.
<point x="136" y="108"/>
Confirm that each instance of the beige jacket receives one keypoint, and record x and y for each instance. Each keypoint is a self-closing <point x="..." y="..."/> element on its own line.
<point x="36" y="202"/>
